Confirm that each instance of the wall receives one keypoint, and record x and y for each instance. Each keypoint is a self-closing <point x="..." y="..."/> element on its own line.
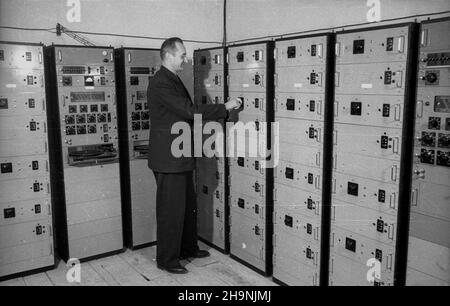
<point x="259" y="18"/>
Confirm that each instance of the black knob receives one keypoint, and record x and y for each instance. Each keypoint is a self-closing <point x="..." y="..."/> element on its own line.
<point x="443" y="159"/>
<point x="427" y="139"/>
<point x="431" y="77"/>
<point x="434" y="124"/>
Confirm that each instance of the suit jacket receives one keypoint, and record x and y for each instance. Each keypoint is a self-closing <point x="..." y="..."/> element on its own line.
<point x="169" y="102"/>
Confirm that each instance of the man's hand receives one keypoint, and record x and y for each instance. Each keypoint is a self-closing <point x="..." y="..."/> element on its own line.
<point x="234" y="103"/>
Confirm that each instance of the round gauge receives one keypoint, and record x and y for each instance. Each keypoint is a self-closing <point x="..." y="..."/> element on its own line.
<point x="105" y="53"/>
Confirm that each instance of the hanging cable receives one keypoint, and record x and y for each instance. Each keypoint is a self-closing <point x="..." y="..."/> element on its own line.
<point x="335" y="28"/>
<point x="51" y="30"/>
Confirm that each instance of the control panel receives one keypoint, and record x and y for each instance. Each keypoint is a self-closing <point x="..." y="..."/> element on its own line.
<point x="26" y="225"/>
<point x="84" y="150"/>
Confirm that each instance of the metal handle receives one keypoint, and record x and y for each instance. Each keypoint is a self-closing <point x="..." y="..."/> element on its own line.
<point x="397" y="109"/>
<point x="424" y="37"/>
<point x="336" y="79"/>
<point x="391" y="230"/>
<point x="333" y="186"/>
<point x="394" y="173"/>
<point x="43" y="104"/>
<point x="129" y="57"/>
<point x="275" y="53"/>
<point x="414" y="196"/>
<point x="392" y="200"/>
<point x="399" y="83"/>
<point x="275" y="78"/>
<point x="261" y="55"/>
<point x="419" y="109"/>
<point x="338" y="49"/>
<point x="389" y="262"/>
<point x="395" y="142"/>
<point x="319" y="76"/>
<point x="275" y="102"/>
<point x="333" y="209"/>
<point x="400" y="44"/>
<point x="336" y="108"/>
<point x="64" y="100"/>
<point x="317" y="182"/>
<point x="45" y="147"/>
<point x="318" y="134"/>
<point x="46" y="165"/>
<point x="319" y="50"/>
<point x="40" y="57"/>
<point x="319" y="107"/>
<point x="316" y="233"/>
<point x="335" y="137"/>
<point x="59" y="55"/>
<point x="316" y="207"/>
<point x="48" y="188"/>
<point x="318" y="159"/>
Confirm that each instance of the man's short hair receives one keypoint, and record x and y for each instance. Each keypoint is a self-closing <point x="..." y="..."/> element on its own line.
<point x="169" y="45"/>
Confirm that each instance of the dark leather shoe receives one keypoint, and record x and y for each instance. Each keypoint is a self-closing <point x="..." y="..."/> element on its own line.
<point x="174" y="270"/>
<point x="200" y="254"/>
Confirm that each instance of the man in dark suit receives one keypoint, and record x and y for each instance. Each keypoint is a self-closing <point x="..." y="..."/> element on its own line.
<point x="176" y="204"/>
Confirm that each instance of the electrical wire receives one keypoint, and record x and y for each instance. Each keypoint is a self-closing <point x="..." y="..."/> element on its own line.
<point x="28" y="29"/>
<point x="142" y="37"/>
<point x="51" y="30"/>
<point x="334" y="28"/>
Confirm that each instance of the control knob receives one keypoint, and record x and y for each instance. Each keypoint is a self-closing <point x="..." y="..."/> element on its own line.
<point x="430" y="77"/>
<point x="420" y="173"/>
<point x="427" y="140"/>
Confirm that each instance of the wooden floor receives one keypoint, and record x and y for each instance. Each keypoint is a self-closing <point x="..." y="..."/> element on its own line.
<point x="138" y="268"/>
